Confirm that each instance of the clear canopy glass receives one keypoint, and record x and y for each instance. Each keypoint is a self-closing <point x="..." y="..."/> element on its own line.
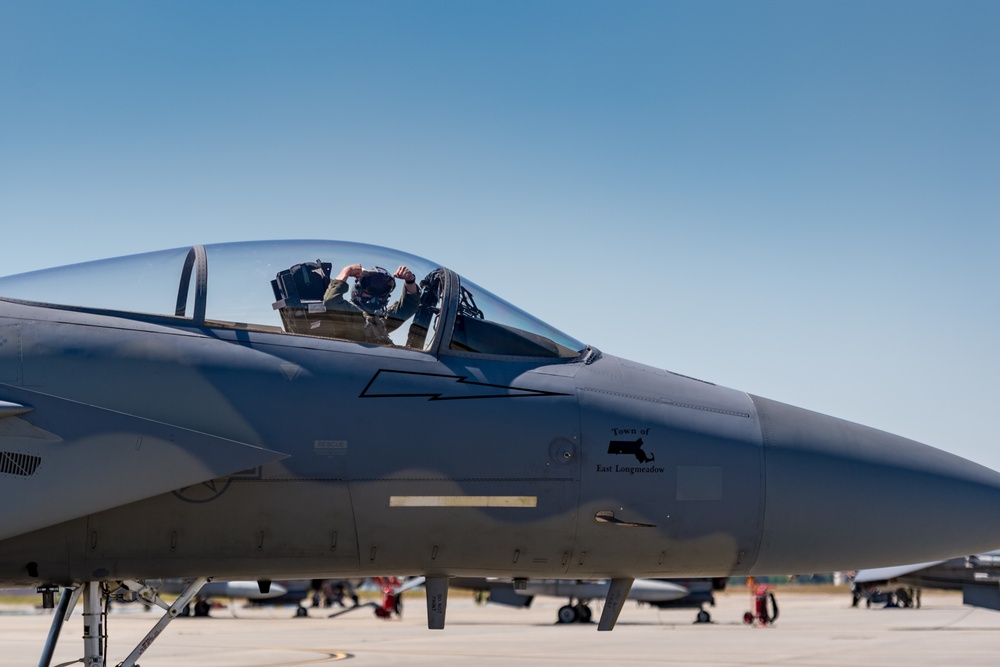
<point x="252" y="285"/>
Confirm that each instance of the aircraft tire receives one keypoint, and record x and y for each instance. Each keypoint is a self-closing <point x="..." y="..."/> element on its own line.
<point x="583" y="613"/>
<point x="703" y="617"/>
<point x="567" y="614"/>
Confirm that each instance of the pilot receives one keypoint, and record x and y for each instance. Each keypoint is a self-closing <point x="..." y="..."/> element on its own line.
<point x="366" y="317"/>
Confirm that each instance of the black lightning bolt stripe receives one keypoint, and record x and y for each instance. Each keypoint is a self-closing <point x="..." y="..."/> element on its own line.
<point x="437" y="387"/>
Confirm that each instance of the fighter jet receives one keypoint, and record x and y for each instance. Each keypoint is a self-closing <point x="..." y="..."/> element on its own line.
<point x="313" y="409"/>
<point x="251" y="591"/>
<point x="978" y="577"/>
<point x="661" y="593"/>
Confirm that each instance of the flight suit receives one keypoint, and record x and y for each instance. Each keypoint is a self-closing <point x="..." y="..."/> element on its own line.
<point x="344" y="319"/>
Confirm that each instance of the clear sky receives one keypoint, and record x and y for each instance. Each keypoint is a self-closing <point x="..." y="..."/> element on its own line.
<point x="796" y="199"/>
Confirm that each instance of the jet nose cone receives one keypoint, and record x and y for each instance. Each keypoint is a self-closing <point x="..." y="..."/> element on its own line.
<point x="841" y="496"/>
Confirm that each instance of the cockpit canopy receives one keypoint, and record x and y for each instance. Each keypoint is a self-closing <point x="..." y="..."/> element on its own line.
<point x="282" y="287"/>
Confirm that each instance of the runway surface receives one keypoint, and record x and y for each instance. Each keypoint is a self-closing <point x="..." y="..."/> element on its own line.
<point x="812" y="630"/>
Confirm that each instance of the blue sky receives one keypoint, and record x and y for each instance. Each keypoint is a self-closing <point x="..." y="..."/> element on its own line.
<point x="796" y="199"/>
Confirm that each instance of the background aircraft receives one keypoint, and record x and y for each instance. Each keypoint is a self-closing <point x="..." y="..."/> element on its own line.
<point x="661" y="593"/>
<point x="251" y="591"/>
<point x="196" y="413"/>
<point x="978" y="577"/>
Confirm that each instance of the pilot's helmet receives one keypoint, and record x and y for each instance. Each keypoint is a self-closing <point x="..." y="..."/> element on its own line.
<point x="373" y="289"/>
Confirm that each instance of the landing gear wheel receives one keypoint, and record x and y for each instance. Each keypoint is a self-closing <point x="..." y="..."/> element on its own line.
<point x="704" y="617"/>
<point x="748" y="618"/>
<point x="583" y="613"/>
<point x="567" y="614"/>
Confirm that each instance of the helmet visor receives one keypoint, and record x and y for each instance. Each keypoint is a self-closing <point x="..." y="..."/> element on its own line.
<point x="377" y="283"/>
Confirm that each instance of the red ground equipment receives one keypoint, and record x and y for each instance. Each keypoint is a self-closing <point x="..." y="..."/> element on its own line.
<point x="391" y="602"/>
<point x="765" y="607"/>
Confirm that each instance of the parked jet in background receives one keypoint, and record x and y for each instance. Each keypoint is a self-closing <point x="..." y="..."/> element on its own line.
<point x="230" y="590"/>
<point x="978" y="577"/>
<point x="321" y="593"/>
<point x="661" y="593"/>
<point x="241" y="410"/>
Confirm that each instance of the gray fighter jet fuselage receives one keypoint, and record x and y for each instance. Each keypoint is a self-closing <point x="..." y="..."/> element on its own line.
<point x="159" y="420"/>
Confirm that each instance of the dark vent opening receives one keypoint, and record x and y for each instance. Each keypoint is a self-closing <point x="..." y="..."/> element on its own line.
<point x="13" y="463"/>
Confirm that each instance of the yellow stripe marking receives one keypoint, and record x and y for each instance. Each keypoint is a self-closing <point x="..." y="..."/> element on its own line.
<point x="463" y="501"/>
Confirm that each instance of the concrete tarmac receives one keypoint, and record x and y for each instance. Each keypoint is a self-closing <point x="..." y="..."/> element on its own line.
<point x="813" y="629"/>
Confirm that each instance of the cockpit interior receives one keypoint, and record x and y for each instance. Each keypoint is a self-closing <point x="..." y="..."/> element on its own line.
<point x="283" y="287"/>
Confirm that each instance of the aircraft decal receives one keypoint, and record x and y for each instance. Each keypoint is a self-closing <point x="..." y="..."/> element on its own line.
<point x="630" y="448"/>
<point x="330" y="448"/>
<point x="633" y="447"/>
<point x="213" y="489"/>
<point x="437" y="387"/>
